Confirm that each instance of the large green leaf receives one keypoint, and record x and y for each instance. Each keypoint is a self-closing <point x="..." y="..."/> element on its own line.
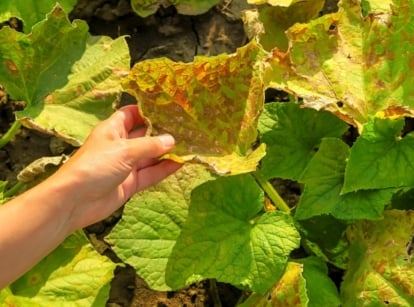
<point x="381" y="158"/>
<point x="352" y="66"/>
<point x="211" y="106"/>
<point x="292" y="136"/>
<point x="380" y="270"/>
<point x="68" y="80"/>
<point x="227" y="236"/>
<point x="324" y="178"/>
<point x="278" y="18"/>
<point x="304" y="283"/>
<point x="74" y="274"/>
<point x="31" y="11"/>
<point x="152" y="221"/>
<point x="145" y="8"/>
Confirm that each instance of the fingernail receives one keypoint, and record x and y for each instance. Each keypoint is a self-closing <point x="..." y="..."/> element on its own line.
<point x="167" y="140"/>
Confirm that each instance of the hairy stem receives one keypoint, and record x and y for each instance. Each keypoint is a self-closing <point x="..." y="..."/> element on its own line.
<point x="271" y="192"/>
<point x="10" y="133"/>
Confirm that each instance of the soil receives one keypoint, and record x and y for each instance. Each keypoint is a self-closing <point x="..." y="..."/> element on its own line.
<point x="165" y="34"/>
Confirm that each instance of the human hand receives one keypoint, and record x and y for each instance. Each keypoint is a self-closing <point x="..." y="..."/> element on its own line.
<point x="115" y="162"/>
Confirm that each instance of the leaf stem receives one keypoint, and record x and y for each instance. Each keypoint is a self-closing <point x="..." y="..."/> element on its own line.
<point x="14" y="189"/>
<point x="271" y="192"/>
<point x="10" y="133"/>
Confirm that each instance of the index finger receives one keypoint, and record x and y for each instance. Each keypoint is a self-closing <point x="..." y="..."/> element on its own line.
<point x="128" y="117"/>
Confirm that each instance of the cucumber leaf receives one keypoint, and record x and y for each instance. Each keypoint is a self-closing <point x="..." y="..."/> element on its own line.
<point x="324" y="178"/>
<point x="352" y="66"/>
<point x="380" y="270"/>
<point x="74" y="274"/>
<point x="145" y="8"/>
<point x="381" y="157"/>
<point x="292" y="136"/>
<point x="31" y="11"/>
<point x="238" y="242"/>
<point x="152" y="221"/>
<point x="279" y="17"/>
<point x="68" y="79"/>
<point x="304" y="283"/>
<point x="211" y="106"/>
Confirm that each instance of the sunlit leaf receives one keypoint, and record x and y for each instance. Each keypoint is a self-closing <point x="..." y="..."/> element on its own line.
<point x="352" y="66"/>
<point x="68" y="80"/>
<point x="292" y="135"/>
<point x="304" y="283"/>
<point x="152" y="221"/>
<point x="226" y="236"/>
<point x="324" y="178"/>
<point x="31" y="11"/>
<point x="278" y="18"/>
<point x="381" y="158"/>
<point x="74" y="274"/>
<point x="381" y="270"/>
<point x="145" y="8"/>
<point x="211" y="106"/>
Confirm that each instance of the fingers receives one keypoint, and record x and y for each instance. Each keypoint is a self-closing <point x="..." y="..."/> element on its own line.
<point x="127" y="117"/>
<point x="154" y="174"/>
<point x="148" y="147"/>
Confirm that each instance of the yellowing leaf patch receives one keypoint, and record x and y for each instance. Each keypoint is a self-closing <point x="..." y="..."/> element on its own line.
<point x="211" y="106"/>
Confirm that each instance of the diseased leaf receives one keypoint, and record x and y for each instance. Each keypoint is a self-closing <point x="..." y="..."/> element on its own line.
<point x="352" y="66"/>
<point x="304" y="283"/>
<point x="282" y="3"/>
<point x="145" y="8"/>
<point x="31" y="11"/>
<point x="211" y="106"/>
<point x="68" y="80"/>
<point x="381" y="158"/>
<point x="278" y="18"/>
<point x="152" y="222"/>
<point x="324" y="179"/>
<point x="39" y="167"/>
<point x="380" y="270"/>
<point x="230" y="239"/>
<point x="74" y="274"/>
<point x="292" y="136"/>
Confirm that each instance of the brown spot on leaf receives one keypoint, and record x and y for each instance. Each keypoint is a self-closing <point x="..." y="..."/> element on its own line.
<point x="11" y="66"/>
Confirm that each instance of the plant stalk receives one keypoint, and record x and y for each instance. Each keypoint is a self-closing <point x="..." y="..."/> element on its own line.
<point x="10" y="133"/>
<point x="271" y="192"/>
<point x="14" y="189"/>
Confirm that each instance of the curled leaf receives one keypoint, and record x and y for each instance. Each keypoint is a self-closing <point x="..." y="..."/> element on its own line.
<point x="211" y="106"/>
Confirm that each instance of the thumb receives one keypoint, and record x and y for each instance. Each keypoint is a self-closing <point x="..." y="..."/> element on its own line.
<point x="149" y="147"/>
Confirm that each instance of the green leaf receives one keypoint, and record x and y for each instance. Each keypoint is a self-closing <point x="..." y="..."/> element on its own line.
<point x="381" y="271"/>
<point x="376" y="6"/>
<point x="68" y="80"/>
<point x="381" y="158"/>
<point x="324" y="236"/>
<point x="278" y="18"/>
<point x="292" y="136"/>
<point x="230" y="239"/>
<point x="145" y="8"/>
<point x="211" y="106"/>
<point x="3" y="185"/>
<point x="304" y="283"/>
<point x="324" y="178"/>
<point x="321" y="290"/>
<point x="31" y="11"/>
<point x="339" y="62"/>
<point x="74" y="274"/>
<point x="152" y="221"/>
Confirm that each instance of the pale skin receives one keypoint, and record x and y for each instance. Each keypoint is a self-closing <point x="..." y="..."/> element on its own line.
<point x="115" y="162"/>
